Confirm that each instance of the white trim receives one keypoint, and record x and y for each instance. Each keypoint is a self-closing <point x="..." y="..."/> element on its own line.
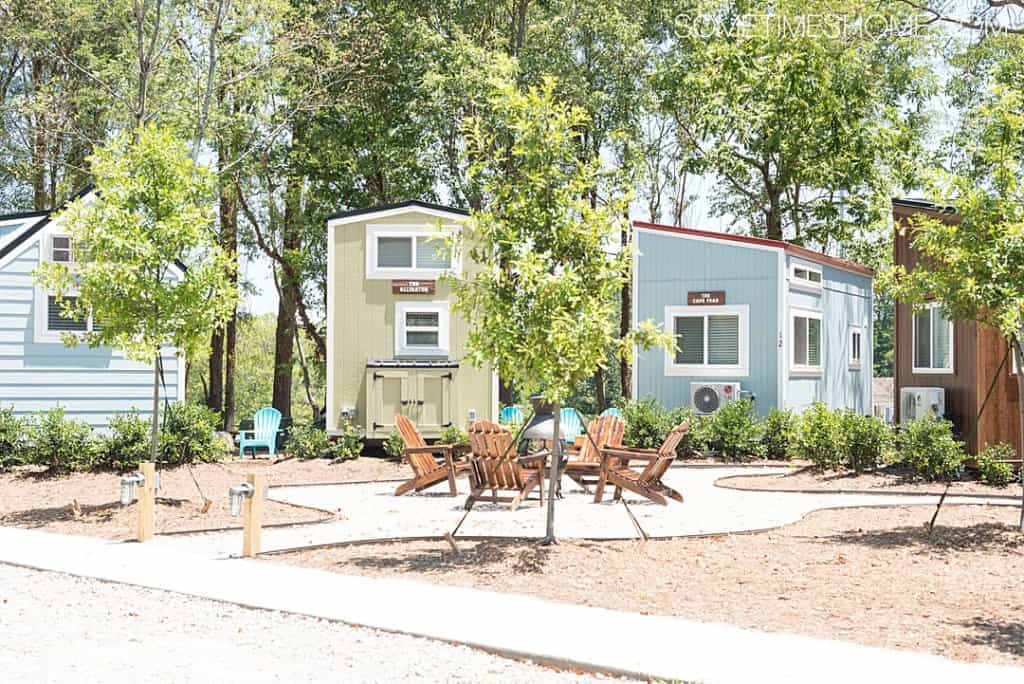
<point x="634" y="379"/>
<point x="803" y="283"/>
<point x="413" y="232"/>
<point x="780" y="318"/>
<point x="495" y="399"/>
<point x="442" y="309"/>
<point x="852" y="363"/>
<point x="182" y="367"/>
<point x="396" y="211"/>
<point x="739" y="370"/>
<point x="804" y="370"/>
<point x="931" y="308"/>
<point x="708" y="238"/>
<point x="331" y="399"/>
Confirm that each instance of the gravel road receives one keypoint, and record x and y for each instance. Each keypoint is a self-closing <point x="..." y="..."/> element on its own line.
<point x="59" y="628"/>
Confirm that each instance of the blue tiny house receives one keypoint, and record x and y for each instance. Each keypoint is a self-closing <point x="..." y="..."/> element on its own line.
<point x="752" y="317"/>
<point x="37" y="370"/>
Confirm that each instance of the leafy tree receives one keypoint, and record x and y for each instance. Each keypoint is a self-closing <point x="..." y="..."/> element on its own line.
<point x="543" y="313"/>
<point x="153" y="209"/>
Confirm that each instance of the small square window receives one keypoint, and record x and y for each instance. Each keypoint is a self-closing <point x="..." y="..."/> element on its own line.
<point x="56" y="321"/>
<point x="806" y="276"/>
<point x="421" y="329"/>
<point x="856" y="347"/>
<point x="60" y="249"/>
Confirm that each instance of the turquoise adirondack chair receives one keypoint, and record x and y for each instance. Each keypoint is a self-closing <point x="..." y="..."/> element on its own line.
<point x="570" y="424"/>
<point x="612" y="412"/>
<point x="265" y="426"/>
<point x="511" y="415"/>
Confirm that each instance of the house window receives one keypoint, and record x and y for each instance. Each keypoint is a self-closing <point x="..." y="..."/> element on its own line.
<point x="933" y="341"/>
<point x="806" y="329"/>
<point x="806" y="276"/>
<point x="421" y="329"/>
<point x="406" y="252"/>
<point x="710" y="340"/>
<point x="57" y="322"/>
<point x="856" y="347"/>
<point x="60" y="249"/>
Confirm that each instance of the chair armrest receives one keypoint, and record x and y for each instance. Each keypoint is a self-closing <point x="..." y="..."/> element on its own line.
<point x="619" y="452"/>
<point x="435" y="449"/>
<point x="539" y="457"/>
<point x="243" y="433"/>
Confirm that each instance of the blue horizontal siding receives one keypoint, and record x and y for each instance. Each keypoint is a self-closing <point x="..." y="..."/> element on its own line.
<point x="91" y="384"/>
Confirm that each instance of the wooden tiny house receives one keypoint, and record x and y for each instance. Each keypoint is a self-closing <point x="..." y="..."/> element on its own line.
<point x="394" y="346"/>
<point x="962" y="357"/>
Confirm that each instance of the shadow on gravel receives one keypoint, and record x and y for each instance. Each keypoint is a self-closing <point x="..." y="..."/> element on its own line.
<point x="979" y="537"/>
<point x="1007" y="637"/>
<point x="88" y="513"/>
<point x="522" y="556"/>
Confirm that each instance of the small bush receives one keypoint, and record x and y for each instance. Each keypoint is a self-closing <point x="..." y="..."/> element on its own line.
<point x="60" y="443"/>
<point x="189" y="435"/>
<point x="991" y="468"/>
<point x="348" y="444"/>
<point x="647" y="423"/>
<point x="307" y="441"/>
<point x="127" y="444"/>
<point x="12" y="439"/>
<point x="394" y="445"/>
<point x="696" y="440"/>
<point x="454" y="435"/>
<point x="780" y="434"/>
<point x="819" y="438"/>
<point x="865" y="441"/>
<point x="928" y="447"/>
<point x="734" y="430"/>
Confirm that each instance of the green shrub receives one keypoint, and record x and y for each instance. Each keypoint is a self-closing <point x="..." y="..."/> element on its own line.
<point x="60" y="443"/>
<point x="307" y="441"/>
<point x="819" y="437"/>
<point x="394" y="445"/>
<point x="453" y="434"/>
<point x="647" y="423"/>
<point x="865" y="441"/>
<point x="991" y="468"/>
<point x="779" y="437"/>
<point x="189" y="435"/>
<point x="734" y="430"/>
<point x="696" y="440"/>
<point x="12" y="439"/>
<point x="349" y="443"/>
<point x="928" y="447"/>
<point x="127" y="444"/>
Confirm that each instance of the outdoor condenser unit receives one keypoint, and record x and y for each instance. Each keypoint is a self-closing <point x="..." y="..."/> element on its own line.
<point x="917" y="403"/>
<point x="708" y="397"/>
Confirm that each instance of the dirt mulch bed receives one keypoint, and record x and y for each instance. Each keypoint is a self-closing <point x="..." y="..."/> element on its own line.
<point x="871" y="575"/>
<point x="884" y="481"/>
<point x="88" y="503"/>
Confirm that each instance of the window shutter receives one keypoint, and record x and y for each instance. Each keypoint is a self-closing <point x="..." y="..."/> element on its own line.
<point x="724" y="340"/>
<point x="394" y="252"/>
<point x="690" y="340"/>
<point x="923" y="339"/>
<point x="813" y="342"/>
<point x="941" y="357"/>
<point x="432" y="253"/>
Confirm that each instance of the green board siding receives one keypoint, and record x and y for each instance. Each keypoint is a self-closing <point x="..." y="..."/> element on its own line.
<point x="668" y="267"/>
<point x="90" y="384"/>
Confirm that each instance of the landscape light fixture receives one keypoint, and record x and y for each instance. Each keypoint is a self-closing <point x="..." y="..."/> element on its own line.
<point x="128" y="485"/>
<point x="235" y="496"/>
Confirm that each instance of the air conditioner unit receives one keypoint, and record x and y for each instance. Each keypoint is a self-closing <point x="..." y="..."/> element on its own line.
<point x="917" y="403"/>
<point x="708" y="397"/>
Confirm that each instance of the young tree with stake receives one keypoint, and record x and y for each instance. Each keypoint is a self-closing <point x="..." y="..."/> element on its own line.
<point x="542" y="312"/>
<point x="154" y="206"/>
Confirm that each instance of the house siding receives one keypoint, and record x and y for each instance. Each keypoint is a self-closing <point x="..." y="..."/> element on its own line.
<point x="90" y="384"/>
<point x="669" y="266"/>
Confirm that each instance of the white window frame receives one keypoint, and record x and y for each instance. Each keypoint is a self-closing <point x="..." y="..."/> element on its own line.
<point x="931" y="308"/>
<point x="804" y="369"/>
<point x="803" y="283"/>
<point x="376" y="231"/>
<point x="43" y="334"/>
<point x="858" y="363"/>
<point x="739" y="370"/>
<point x="441" y="308"/>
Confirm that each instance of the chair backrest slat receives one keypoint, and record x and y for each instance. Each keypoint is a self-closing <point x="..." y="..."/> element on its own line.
<point x="421" y="463"/>
<point x="666" y="454"/>
<point x="605" y="431"/>
<point x="265" y="423"/>
<point x="495" y="461"/>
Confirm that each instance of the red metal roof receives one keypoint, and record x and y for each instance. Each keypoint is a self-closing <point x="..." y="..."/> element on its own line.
<point x="802" y="252"/>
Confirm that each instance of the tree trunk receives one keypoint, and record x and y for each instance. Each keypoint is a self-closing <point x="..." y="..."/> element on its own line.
<point x="602" y="400"/>
<point x="554" y="474"/>
<point x="1017" y="352"/>
<point x="284" y="336"/>
<point x="626" y="320"/>
<point x="506" y="393"/>
<point x="155" y="433"/>
<point x="40" y="199"/>
<point x="773" y="217"/>
<point x="230" y="348"/>
<point x="229" y="241"/>
<point x="215" y="391"/>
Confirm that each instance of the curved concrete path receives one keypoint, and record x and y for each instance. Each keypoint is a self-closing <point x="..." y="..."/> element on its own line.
<point x="370" y="511"/>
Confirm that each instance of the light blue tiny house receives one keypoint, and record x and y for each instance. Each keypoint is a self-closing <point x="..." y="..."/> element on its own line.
<point x="37" y="370"/>
<point x="752" y="317"/>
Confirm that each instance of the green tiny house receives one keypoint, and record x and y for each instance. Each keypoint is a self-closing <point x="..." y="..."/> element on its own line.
<point x="393" y="345"/>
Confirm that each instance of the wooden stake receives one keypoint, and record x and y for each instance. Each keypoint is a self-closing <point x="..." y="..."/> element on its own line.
<point x="146" y="501"/>
<point x="253" y="506"/>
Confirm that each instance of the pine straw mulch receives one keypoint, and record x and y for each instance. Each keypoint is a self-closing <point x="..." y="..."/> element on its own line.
<point x="87" y="503"/>
<point x="869" y="575"/>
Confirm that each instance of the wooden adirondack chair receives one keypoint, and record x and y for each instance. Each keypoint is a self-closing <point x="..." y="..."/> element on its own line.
<point x="615" y="469"/>
<point x="424" y="458"/>
<point x="495" y="465"/>
<point x="584" y="465"/>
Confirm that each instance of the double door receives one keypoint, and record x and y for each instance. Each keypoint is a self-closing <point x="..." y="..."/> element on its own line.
<point x="423" y="395"/>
